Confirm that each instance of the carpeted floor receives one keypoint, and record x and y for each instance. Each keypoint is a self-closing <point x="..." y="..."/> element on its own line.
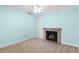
<point x="38" y="46"/>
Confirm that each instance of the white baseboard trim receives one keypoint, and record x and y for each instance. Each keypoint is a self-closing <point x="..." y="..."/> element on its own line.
<point x="70" y="44"/>
<point x="12" y="43"/>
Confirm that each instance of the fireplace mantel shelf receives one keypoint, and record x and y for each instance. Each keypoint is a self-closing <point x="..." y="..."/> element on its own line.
<point x="52" y="28"/>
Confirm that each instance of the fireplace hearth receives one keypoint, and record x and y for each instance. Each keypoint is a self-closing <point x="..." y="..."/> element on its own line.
<point x="52" y="34"/>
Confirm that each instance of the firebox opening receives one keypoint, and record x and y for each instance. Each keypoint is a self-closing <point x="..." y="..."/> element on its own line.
<point x="51" y="35"/>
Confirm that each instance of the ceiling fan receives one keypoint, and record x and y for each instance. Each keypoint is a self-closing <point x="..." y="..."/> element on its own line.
<point x="37" y="9"/>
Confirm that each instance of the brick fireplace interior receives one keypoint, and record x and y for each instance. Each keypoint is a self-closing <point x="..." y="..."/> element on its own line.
<point x="51" y="35"/>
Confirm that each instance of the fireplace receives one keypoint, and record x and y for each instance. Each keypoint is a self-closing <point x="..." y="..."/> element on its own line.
<point x="52" y="34"/>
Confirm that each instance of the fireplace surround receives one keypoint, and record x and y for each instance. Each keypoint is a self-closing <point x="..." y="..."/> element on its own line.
<point x="52" y="34"/>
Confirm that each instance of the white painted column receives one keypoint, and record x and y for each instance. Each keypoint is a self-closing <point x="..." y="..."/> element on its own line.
<point x="38" y="18"/>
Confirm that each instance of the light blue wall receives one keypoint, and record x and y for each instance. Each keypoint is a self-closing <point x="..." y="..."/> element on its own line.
<point x="14" y="24"/>
<point x="68" y="20"/>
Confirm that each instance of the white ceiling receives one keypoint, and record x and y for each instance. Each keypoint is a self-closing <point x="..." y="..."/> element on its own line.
<point x="46" y="8"/>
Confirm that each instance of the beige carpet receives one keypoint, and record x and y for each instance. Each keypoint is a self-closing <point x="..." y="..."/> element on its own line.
<point x="38" y="46"/>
